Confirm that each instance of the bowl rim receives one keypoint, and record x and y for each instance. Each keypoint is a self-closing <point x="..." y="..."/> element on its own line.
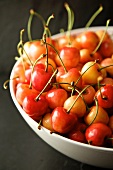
<point x="81" y="29"/>
<point x="12" y="93"/>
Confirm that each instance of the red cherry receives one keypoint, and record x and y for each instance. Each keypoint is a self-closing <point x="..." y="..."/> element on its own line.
<point x="36" y="50"/>
<point x="56" y="97"/>
<point x="107" y="62"/>
<point x="89" y="94"/>
<point x="51" y="64"/>
<point x="64" y="41"/>
<point x="107" y="80"/>
<point x="35" y="108"/>
<point x="100" y="34"/>
<point x="89" y="40"/>
<point x="19" y="72"/>
<point x="106" y="48"/>
<point x="97" y="56"/>
<point x="62" y="122"/>
<point x="40" y="78"/>
<point x="110" y="124"/>
<point x="22" y="91"/>
<point x="70" y="56"/>
<point x="105" y="96"/>
<point x="28" y="74"/>
<point x="78" y="133"/>
<point x="85" y="56"/>
<point x="39" y="66"/>
<point x="97" y="134"/>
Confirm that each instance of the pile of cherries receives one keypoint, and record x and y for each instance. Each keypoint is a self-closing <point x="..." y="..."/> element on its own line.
<point x="66" y="85"/>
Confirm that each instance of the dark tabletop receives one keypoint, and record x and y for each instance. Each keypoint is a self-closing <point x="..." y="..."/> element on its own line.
<point x="20" y="147"/>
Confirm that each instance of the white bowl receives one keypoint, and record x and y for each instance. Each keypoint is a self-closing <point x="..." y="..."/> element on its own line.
<point x="92" y="155"/>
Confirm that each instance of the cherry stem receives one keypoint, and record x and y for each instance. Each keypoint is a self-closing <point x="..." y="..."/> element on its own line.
<point x="58" y="56"/>
<point x="32" y="12"/>
<point x="46" y="84"/>
<point x="70" y="20"/>
<point x="72" y="88"/>
<point x="21" y="46"/>
<point x="29" y="25"/>
<point x="39" y="124"/>
<point x="100" y="42"/>
<point x="51" y="66"/>
<point x="46" y="29"/>
<point x="110" y="138"/>
<point x="105" y="67"/>
<point x="5" y="86"/>
<point x="96" y="102"/>
<point x="63" y="83"/>
<point x="80" y="93"/>
<point x="100" y="78"/>
<point x="94" y="16"/>
<point x="41" y="56"/>
<point x="46" y="69"/>
<point x="82" y="98"/>
<point x="20" y="51"/>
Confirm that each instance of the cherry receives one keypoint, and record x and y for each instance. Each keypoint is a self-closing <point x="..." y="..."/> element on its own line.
<point x="106" y="48"/>
<point x="26" y="51"/>
<point x="58" y="80"/>
<point x="78" y="133"/>
<point x="97" y="56"/>
<point x="70" y="56"/>
<point x="89" y="94"/>
<point x="108" y="62"/>
<point x="110" y="124"/>
<point x="28" y="73"/>
<point x="97" y="134"/>
<point x="22" y="91"/>
<point x="107" y="80"/>
<point x="89" y="68"/>
<point x="65" y="79"/>
<point x="51" y="64"/>
<point x="89" y="40"/>
<point x="63" y="41"/>
<point x="85" y="56"/>
<point x="36" y="50"/>
<point x="105" y="96"/>
<point x="79" y="108"/>
<point x="62" y="122"/>
<point x="56" y="97"/>
<point x="35" y="108"/>
<point x="53" y="43"/>
<point x="100" y="34"/>
<point x="46" y="122"/>
<point x="19" y="72"/>
<point x="94" y="117"/>
<point x="40" y="78"/>
<point x="79" y="67"/>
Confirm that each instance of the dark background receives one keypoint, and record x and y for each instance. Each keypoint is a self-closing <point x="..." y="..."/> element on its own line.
<point x="20" y="147"/>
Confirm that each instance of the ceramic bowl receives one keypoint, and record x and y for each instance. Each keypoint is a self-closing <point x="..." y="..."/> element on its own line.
<point x="92" y="155"/>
